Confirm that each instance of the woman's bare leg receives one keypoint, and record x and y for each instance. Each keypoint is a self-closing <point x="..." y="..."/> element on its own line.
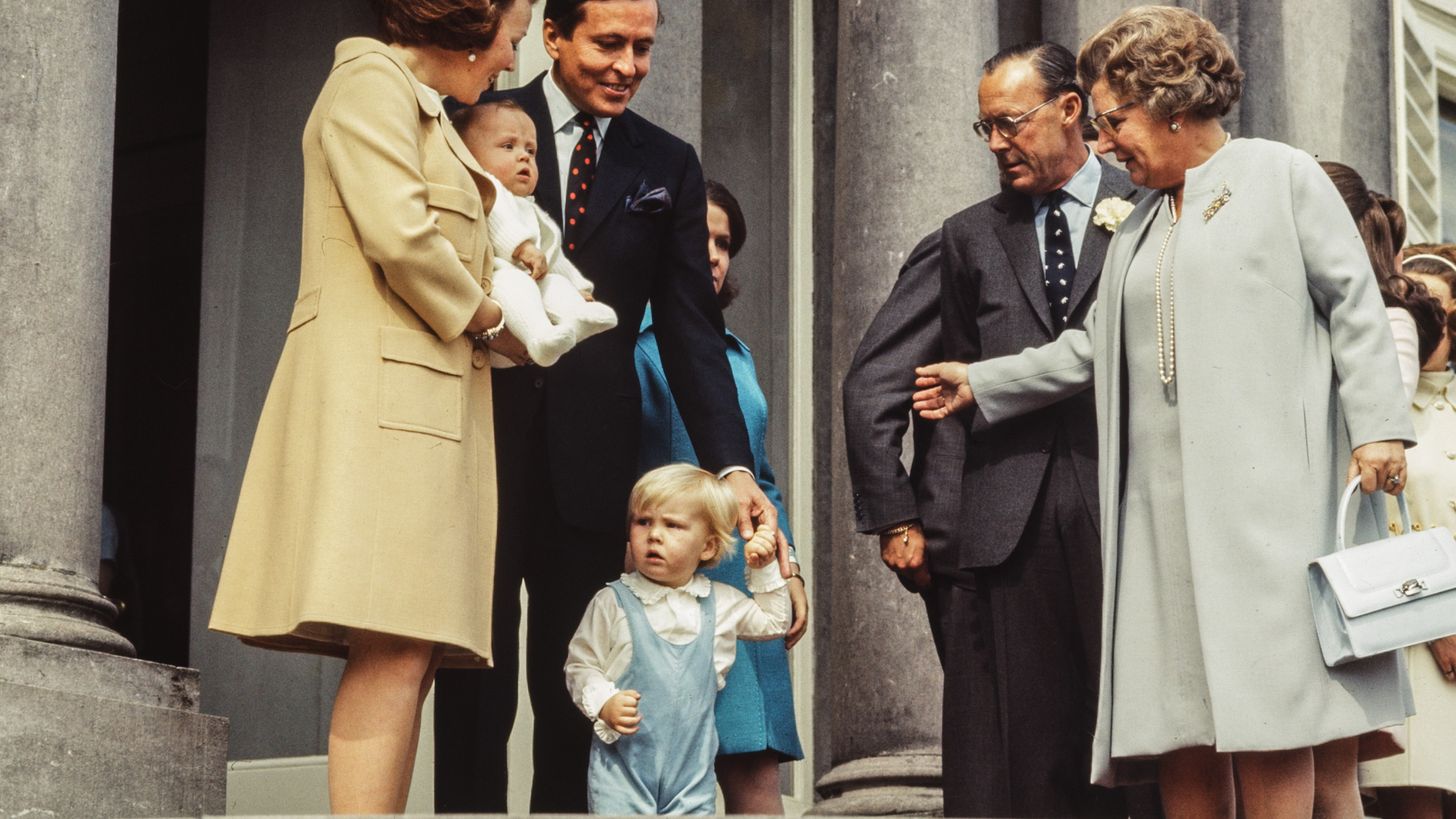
<point x="1276" y="784"/>
<point x="750" y="783"/>
<point x="1336" y="781"/>
<point x="414" y="749"/>
<point x="1196" y="783"/>
<point x="375" y="716"/>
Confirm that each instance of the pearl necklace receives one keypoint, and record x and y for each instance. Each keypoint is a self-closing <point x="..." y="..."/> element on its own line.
<point x="1167" y="344"/>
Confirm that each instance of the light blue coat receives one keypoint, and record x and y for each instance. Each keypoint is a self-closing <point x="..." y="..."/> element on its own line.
<point x="1284" y="361"/>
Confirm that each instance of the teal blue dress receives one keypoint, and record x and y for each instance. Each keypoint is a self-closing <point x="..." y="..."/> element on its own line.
<point x="755" y="709"/>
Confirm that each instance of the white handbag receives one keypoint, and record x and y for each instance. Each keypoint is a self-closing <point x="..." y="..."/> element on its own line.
<point x="1386" y="594"/>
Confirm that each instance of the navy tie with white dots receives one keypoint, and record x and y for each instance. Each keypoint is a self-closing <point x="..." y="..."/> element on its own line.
<point x="1061" y="267"/>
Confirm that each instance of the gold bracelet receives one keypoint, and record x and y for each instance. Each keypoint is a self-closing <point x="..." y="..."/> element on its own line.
<point x="903" y="530"/>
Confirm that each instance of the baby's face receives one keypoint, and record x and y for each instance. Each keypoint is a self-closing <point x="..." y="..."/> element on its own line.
<point x="670" y="542"/>
<point x="504" y="142"/>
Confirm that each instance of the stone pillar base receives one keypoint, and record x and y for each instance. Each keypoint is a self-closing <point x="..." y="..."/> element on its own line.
<point x="58" y="607"/>
<point x="85" y="733"/>
<point x="894" y="784"/>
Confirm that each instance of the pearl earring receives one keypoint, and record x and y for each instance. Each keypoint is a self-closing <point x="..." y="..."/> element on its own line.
<point x="1175" y="127"/>
<point x="471" y="57"/>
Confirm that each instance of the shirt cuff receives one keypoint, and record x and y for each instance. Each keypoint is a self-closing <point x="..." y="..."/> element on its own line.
<point x="729" y="470"/>
<point x="603" y="732"/>
<point x="765" y="578"/>
<point x="592" y="700"/>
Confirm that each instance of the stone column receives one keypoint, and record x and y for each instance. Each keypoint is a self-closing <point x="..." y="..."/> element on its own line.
<point x="672" y="94"/>
<point x="1341" y="112"/>
<point x="83" y="731"/>
<point x="905" y="158"/>
<point x="55" y="192"/>
<point x="1069" y="22"/>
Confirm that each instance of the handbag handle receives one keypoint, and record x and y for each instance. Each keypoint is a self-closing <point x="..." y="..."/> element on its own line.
<point x="1349" y="493"/>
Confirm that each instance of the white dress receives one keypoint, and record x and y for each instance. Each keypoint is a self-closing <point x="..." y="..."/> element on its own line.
<point x="1430" y="756"/>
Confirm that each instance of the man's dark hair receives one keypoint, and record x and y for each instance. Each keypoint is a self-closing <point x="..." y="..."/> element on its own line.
<point x="1053" y="63"/>
<point x="565" y="14"/>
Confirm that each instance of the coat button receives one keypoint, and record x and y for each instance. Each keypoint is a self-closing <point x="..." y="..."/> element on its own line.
<point x="478" y="359"/>
<point x="1415" y="527"/>
<point x="1451" y="454"/>
<point x="539" y="382"/>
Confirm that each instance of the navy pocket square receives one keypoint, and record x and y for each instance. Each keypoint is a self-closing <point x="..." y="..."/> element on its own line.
<point x="647" y="201"/>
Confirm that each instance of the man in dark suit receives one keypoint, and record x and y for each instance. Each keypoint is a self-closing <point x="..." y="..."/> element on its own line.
<point x="914" y="513"/>
<point x="1022" y="641"/>
<point x="631" y="202"/>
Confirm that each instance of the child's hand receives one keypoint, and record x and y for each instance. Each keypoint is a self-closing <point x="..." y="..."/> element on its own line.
<point x="620" y="712"/>
<point x="759" y="550"/>
<point x="531" y="258"/>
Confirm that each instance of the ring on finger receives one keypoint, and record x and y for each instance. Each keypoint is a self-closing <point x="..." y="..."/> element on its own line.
<point x="1393" y="480"/>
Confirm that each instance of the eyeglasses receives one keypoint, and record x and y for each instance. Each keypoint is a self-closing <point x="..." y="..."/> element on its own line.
<point x="1007" y="126"/>
<point x="1106" y="125"/>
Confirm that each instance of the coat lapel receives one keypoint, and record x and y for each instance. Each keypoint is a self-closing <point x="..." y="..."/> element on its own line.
<point x="1018" y="239"/>
<point x="457" y="146"/>
<point x="621" y="164"/>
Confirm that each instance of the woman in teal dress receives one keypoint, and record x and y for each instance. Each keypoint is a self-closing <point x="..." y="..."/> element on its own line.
<point x="755" y="711"/>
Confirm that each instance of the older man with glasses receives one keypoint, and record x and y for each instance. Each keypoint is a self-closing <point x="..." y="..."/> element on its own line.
<point x="1020" y="598"/>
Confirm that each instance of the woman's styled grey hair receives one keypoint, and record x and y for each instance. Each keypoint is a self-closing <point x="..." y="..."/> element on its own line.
<point x="1168" y="59"/>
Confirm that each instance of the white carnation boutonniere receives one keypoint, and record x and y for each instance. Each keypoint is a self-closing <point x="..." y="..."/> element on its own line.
<point x="1110" y="212"/>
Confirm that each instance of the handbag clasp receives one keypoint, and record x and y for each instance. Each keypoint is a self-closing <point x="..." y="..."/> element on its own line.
<point x="1411" y="588"/>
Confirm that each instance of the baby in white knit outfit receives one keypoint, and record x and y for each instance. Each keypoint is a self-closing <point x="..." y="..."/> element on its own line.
<point x="547" y="302"/>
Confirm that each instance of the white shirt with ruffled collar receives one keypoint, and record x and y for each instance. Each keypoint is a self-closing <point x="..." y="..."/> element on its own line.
<point x="601" y="650"/>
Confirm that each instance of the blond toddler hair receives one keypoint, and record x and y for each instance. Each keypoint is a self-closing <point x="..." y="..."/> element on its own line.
<point x="676" y="482"/>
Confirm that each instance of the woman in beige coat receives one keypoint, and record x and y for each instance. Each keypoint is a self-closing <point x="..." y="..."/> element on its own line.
<point x="1243" y="369"/>
<point x="365" y="526"/>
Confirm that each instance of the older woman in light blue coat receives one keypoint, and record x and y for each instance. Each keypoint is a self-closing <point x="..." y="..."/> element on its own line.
<point x="1244" y="369"/>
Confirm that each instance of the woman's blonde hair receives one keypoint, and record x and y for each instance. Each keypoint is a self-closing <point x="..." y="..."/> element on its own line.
<point x="1169" y="59"/>
<point x="685" y="482"/>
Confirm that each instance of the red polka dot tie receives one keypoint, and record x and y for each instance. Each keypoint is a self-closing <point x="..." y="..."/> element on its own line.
<point x="583" y="169"/>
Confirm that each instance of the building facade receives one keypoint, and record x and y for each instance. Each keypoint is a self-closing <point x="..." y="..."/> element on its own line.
<point x="843" y="128"/>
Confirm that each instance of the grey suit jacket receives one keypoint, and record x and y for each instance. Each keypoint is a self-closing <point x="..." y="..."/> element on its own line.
<point x="904" y="334"/>
<point x="995" y="305"/>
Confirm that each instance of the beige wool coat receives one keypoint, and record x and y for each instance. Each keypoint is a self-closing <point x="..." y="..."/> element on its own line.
<point x="369" y="499"/>
<point x="1285" y="361"/>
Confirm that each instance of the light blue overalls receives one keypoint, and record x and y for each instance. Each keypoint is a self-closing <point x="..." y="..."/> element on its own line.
<point x="667" y="766"/>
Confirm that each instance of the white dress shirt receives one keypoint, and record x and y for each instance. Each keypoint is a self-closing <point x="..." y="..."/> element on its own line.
<point x="601" y="650"/>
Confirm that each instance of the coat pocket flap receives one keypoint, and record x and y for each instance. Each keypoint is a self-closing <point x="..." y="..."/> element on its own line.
<point x="415" y="347"/>
<point x="447" y="197"/>
<point x="1382" y="574"/>
<point x="305" y="309"/>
